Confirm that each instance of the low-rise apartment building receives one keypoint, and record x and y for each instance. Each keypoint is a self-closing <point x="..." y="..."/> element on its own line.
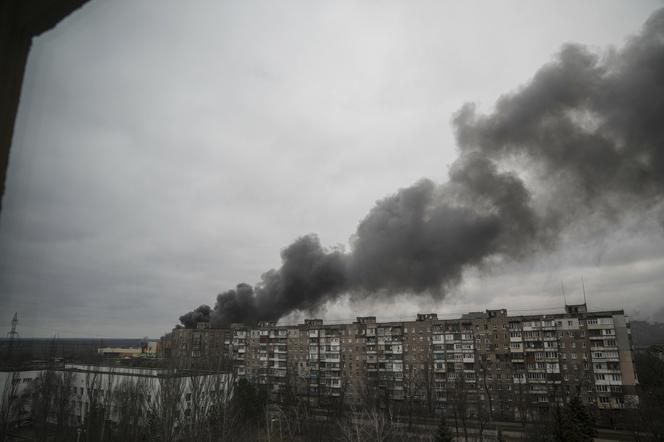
<point x="74" y="389"/>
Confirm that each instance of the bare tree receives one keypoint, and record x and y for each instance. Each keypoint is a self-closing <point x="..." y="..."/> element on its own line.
<point x="94" y="415"/>
<point x="43" y="393"/>
<point x="63" y="406"/>
<point x="369" y="425"/>
<point x="427" y="379"/>
<point x="461" y="404"/>
<point x="199" y="402"/>
<point x="295" y="411"/>
<point x="10" y="406"/>
<point x="521" y="397"/>
<point x="503" y="394"/>
<point x="481" y="367"/>
<point x="51" y="403"/>
<point x="165" y="410"/>
<point x="99" y="399"/>
<point x="223" y="416"/>
<point x="410" y="392"/>
<point x="130" y="404"/>
<point x="366" y="388"/>
<point x="350" y="429"/>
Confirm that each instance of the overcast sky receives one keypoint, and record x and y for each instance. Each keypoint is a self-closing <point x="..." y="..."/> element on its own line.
<point x="165" y="152"/>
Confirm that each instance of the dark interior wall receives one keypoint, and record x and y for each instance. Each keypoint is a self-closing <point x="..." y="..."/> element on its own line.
<point x="20" y="21"/>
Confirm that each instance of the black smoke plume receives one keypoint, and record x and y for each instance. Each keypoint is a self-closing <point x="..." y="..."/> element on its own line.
<point x="588" y="129"/>
<point x="201" y="314"/>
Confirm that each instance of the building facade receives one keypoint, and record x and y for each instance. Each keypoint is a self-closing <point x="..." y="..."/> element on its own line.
<point x="511" y="363"/>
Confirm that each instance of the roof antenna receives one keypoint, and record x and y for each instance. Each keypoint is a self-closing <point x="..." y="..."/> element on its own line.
<point x="562" y="289"/>
<point x="583" y="285"/>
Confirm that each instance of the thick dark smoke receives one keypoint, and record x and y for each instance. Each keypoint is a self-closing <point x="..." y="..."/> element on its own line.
<point x="201" y="314"/>
<point x="589" y="130"/>
<point x="308" y="276"/>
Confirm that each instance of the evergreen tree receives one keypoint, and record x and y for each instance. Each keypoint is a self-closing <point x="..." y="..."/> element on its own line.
<point x="582" y="418"/>
<point x="249" y="403"/>
<point x="577" y="424"/>
<point x="651" y="393"/>
<point x="443" y="434"/>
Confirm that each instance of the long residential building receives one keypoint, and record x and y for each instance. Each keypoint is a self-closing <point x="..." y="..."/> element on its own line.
<point x="512" y="363"/>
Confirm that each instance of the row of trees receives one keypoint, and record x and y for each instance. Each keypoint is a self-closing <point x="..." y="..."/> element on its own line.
<point x="203" y="405"/>
<point x="193" y="407"/>
<point x="63" y="404"/>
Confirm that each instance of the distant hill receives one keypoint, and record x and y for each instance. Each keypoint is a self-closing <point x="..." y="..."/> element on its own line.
<point x="645" y="334"/>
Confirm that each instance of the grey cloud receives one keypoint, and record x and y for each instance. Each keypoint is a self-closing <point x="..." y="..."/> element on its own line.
<point x="163" y="153"/>
<point x="613" y="158"/>
<point x="592" y="125"/>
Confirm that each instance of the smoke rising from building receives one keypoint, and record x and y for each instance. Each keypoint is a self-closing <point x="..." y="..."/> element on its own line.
<point x="201" y="314"/>
<point x="589" y="130"/>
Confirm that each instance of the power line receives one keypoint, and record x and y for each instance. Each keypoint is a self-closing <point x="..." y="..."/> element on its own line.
<point x="12" y="335"/>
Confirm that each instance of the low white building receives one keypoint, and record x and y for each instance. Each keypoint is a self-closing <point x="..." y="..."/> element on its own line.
<point x="105" y="387"/>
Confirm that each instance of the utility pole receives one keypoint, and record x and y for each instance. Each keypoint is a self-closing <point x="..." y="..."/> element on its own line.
<point x="9" y="394"/>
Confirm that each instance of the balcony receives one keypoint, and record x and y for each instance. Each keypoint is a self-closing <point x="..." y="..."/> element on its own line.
<point x="281" y="373"/>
